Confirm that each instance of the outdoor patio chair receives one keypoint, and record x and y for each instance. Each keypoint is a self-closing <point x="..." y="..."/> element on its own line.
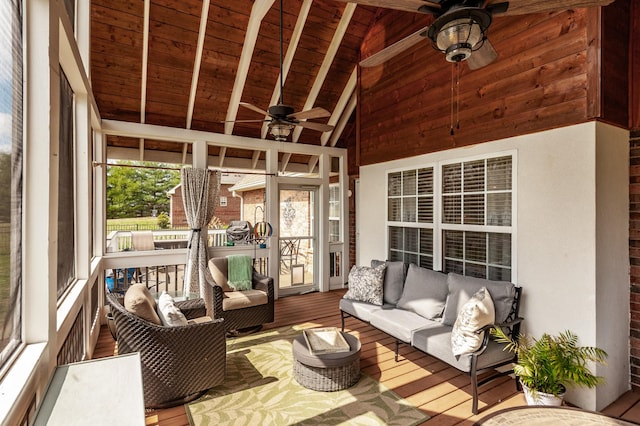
<point x="241" y="310"/>
<point x="178" y="363"/>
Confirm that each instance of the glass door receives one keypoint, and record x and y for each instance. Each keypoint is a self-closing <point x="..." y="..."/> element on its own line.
<point x="297" y="240"/>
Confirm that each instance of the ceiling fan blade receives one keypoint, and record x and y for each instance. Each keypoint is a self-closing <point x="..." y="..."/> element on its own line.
<point x="423" y="6"/>
<point x="254" y="108"/>
<point x="315" y="126"/>
<point x="483" y="56"/>
<point x="395" y="49"/>
<point x="316" y="112"/>
<point x="522" y="7"/>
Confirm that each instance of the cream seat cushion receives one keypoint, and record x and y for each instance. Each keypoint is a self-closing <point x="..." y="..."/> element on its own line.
<point x="243" y="299"/>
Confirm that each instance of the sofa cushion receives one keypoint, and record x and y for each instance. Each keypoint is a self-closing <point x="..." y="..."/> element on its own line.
<point x="461" y="289"/>
<point x="361" y="310"/>
<point x="365" y="284"/>
<point x="218" y="266"/>
<point x="436" y="341"/>
<point x="394" y="277"/>
<point x="243" y="299"/>
<point x="399" y="323"/>
<point x="138" y="301"/>
<point x="168" y="312"/>
<point x="425" y="292"/>
<point x="475" y="314"/>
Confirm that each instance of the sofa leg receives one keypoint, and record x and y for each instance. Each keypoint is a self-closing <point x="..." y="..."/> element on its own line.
<point x="342" y="319"/>
<point x="474" y="385"/>
<point x="397" y="349"/>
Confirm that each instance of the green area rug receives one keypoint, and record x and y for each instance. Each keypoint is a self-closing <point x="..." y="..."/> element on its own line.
<point x="259" y="389"/>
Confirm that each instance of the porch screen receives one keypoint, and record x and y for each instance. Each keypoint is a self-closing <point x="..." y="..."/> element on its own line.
<point x="10" y="177"/>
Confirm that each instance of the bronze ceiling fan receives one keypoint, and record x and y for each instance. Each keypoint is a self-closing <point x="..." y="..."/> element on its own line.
<point x="460" y="28"/>
<point x="282" y="117"/>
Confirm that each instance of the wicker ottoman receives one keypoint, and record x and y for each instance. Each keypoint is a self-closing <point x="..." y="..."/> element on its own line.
<point x="326" y="372"/>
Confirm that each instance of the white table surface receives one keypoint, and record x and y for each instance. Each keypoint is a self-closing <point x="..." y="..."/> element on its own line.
<point x="105" y="391"/>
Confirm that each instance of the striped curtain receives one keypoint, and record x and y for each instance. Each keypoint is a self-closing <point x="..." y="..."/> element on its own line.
<point x="200" y="190"/>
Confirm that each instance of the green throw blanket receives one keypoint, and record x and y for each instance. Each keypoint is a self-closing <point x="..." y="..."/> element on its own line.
<point x="239" y="272"/>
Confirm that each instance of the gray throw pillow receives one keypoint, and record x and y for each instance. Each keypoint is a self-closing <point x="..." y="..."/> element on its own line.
<point x="394" y="278"/>
<point x="365" y="284"/>
<point x="425" y="292"/>
<point x="462" y="288"/>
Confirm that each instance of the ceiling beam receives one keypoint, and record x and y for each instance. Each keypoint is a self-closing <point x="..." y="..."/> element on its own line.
<point x="344" y="118"/>
<point x="339" y="109"/>
<point x="181" y="135"/>
<point x="343" y="26"/>
<point x="291" y="51"/>
<point x="204" y="17"/>
<point x="258" y="12"/>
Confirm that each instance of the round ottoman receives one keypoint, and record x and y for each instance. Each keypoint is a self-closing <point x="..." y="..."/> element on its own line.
<point x="326" y="372"/>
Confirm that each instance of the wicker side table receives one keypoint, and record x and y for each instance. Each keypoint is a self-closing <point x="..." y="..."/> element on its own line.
<point x="326" y="372"/>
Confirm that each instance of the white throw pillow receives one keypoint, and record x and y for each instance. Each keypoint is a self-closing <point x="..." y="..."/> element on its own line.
<point x="168" y="312"/>
<point x="475" y="314"/>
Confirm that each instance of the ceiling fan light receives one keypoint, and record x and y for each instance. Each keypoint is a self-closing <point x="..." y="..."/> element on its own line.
<point x="458" y="38"/>
<point x="459" y="32"/>
<point x="281" y="131"/>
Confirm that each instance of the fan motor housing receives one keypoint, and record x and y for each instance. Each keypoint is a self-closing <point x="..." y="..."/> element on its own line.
<point x="280" y="110"/>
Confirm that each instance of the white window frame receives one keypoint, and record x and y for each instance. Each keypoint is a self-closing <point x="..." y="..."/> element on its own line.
<point x="437" y="225"/>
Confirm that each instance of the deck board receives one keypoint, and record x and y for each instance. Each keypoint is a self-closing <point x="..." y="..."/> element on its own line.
<point x="441" y="391"/>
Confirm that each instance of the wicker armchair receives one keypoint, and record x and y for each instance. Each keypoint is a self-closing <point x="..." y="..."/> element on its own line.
<point x="178" y="363"/>
<point x="241" y="318"/>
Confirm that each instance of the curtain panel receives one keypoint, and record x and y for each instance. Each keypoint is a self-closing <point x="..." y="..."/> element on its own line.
<point x="200" y="191"/>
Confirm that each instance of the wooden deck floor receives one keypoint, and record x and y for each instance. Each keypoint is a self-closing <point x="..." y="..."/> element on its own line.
<point x="441" y="391"/>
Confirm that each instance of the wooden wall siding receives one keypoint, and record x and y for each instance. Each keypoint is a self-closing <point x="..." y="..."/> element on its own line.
<point x="615" y="39"/>
<point x="116" y="52"/>
<point x="538" y="82"/>
<point x="634" y="256"/>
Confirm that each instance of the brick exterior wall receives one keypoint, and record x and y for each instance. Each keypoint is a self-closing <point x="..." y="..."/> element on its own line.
<point x="253" y="199"/>
<point x="225" y="214"/>
<point x="634" y="256"/>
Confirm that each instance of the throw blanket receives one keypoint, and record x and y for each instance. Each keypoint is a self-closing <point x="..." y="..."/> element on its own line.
<point x="239" y="272"/>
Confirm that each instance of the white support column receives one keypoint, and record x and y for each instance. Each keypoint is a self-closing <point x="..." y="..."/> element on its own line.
<point x="40" y="203"/>
<point x="344" y="217"/>
<point x="200" y="155"/>
<point x="323" y="224"/>
<point x="272" y="214"/>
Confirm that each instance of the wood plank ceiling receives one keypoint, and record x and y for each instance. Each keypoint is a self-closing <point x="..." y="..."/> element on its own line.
<point x="189" y="63"/>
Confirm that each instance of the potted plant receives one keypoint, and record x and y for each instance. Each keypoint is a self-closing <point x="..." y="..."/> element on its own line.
<point x="546" y="366"/>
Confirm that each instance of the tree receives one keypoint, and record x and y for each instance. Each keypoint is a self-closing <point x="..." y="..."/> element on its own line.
<point x="137" y="192"/>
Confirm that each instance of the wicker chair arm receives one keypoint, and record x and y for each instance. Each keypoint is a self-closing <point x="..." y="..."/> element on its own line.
<point x="192" y="308"/>
<point x="261" y="282"/>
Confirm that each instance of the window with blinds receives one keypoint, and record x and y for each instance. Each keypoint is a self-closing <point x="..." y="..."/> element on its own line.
<point x="477" y="194"/>
<point x="410" y="208"/>
<point x="473" y="227"/>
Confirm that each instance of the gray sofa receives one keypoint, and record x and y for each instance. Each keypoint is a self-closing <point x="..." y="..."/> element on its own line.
<point x="420" y="306"/>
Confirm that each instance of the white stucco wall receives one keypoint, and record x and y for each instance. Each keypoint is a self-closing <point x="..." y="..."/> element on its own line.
<point x="570" y="237"/>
